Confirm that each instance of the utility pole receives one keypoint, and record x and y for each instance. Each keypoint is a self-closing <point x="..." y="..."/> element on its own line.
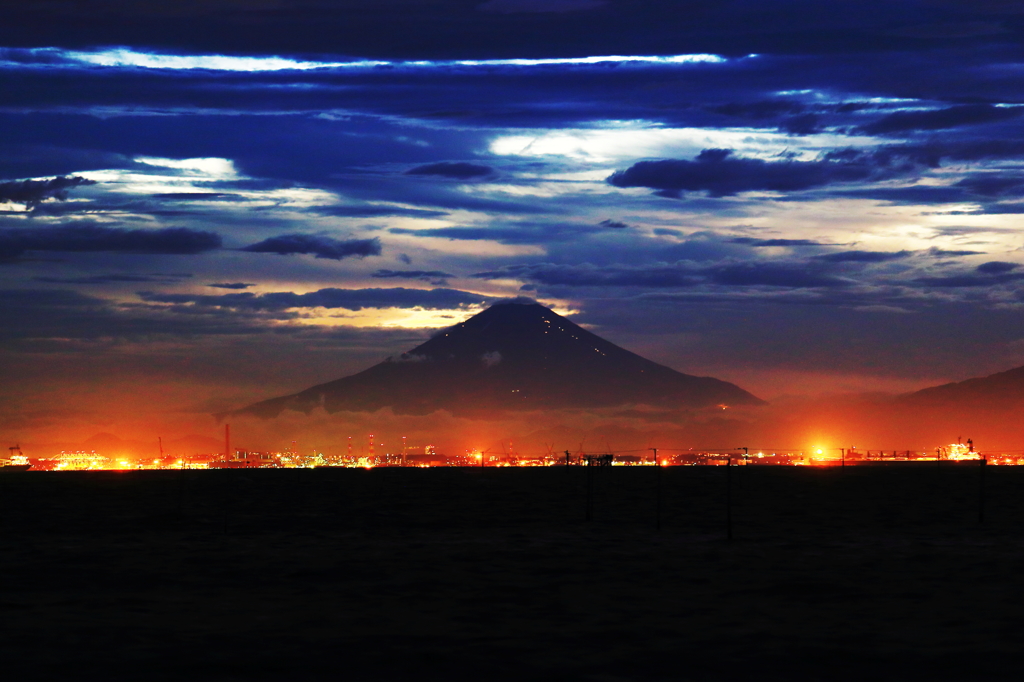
<point x="590" y="489"/>
<point x="981" y="488"/>
<point x="728" y="497"/>
<point x="657" y="491"/>
<point x="728" y="493"/>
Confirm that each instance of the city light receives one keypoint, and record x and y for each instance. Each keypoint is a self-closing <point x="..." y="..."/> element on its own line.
<point x="427" y="456"/>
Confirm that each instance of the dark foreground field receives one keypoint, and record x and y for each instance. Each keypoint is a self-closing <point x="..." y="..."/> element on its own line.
<point x="451" y="574"/>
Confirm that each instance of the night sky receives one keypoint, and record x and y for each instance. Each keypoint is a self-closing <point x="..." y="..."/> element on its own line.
<point x="204" y="204"/>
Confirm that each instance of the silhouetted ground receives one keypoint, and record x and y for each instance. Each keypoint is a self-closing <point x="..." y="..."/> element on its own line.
<point x="450" y="574"/>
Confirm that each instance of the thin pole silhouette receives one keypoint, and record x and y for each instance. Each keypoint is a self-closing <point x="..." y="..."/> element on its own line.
<point x="981" y="489"/>
<point x="728" y="497"/>
<point x="590" y="489"/>
<point x="657" y="491"/>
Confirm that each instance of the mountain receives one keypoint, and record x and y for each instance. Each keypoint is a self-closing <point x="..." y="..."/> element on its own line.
<point x="513" y="356"/>
<point x="1002" y="390"/>
<point x="103" y="442"/>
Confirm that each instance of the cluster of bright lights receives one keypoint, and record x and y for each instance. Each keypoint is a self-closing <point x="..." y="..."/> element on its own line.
<point x="289" y="459"/>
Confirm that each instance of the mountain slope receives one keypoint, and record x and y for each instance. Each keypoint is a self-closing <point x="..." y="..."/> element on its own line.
<point x="512" y="356"/>
<point x="1002" y="389"/>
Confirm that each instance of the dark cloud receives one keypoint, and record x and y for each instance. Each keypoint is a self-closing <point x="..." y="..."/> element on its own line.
<point x="761" y="109"/>
<point x="996" y="267"/>
<point x="231" y="285"/>
<point x="719" y="173"/>
<point x="458" y="170"/>
<point x="1001" y="208"/>
<point x="516" y="233"/>
<point x="27" y="155"/>
<point x="322" y="247"/>
<point x="969" y="149"/>
<point x="50" y="312"/>
<point x="864" y="256"/>
<point x="33" y="192"/>
<point x="956" y="282"/>
<point x="953" y="117"/>
<point x="198" y="196"/>
<point x="950" y="253"/>
<point x="349" y="299"/>
<point x="993" y="185"/>
<point x="992" y="273"/>
<point x="588" y="275"/>
<point x="963" y="230"/>
<point x="419" y="29"/>
<point x="114" y="279"/>
<point x="374" y="211"/>
<point x="613" y="224"/>
<point x="807" y="124"/>
<point x="142" y="205"/>
<point x="436" y="276"/>
<point x="893" y="160"/>
<point x="750" y="241"/>
<point x="913" y="195"/>
<point x="793" y="276"/>
<point x="58" y="315"/>
<point x="681" y="275"/>
<point x="89" y="238"/>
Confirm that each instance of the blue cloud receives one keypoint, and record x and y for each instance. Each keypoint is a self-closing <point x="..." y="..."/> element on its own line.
<point x="720" y="174"/>
<point x="863" y="256"/>
<point x="93" y="238"/>
<point x="423" y="275"/>
<point x="374" y="211"/>
<point x="231" y="285"/>
<point x="996" y="267"/>
<point x="587" y="275"/>
<point x="456" y="170"/>
<point x="515" y="233"/>
<point x="321" y="247"/>
<point x="34" y="192"/>
<point x="952" y="117"/>
<point x="751" y="241"/>
<point x="116" y="279"/>
<point x="349" y="299"/>
<point x="793" y="276"/>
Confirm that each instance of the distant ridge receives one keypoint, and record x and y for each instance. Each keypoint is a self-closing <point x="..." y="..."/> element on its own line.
<point x="1004" y="389"/>
<point x="516" y="355"/>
